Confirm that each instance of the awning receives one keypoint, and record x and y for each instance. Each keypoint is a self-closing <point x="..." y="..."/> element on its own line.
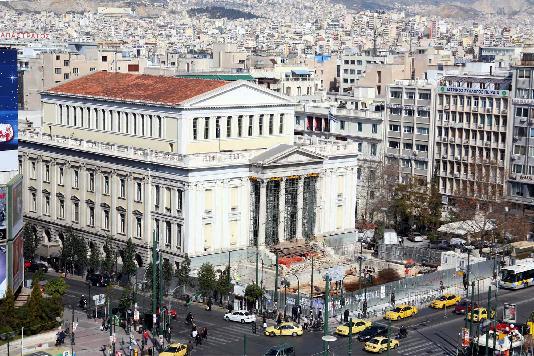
<point x="300" y="71"/>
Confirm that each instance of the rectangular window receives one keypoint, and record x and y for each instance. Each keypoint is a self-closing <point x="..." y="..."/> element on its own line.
<point x="122" y="183"/>
<point x="168" y="233"/>
<point x="261" y="125"/>
<point x="105" y="224"/>
<point x="341" y="125"/>
<point x="218" y="127"/>
<point x="394" y="128"/>
<point x="156" y="196"/>
<point x="122" y="223"/>
<point x="406" y="163"/>
<point x="421" y="165"/>
<point x="374" y="128"/>
<point x="393" y="144"/>
<point x="47" y="205"/>
<point x="75" y="179"/>
<point x="60" y="174"/>
<point x="421" y="148"/>
<point x="360" y="127"/>
<point x="160" y="126"/>
<point x="33" y="169"/>
<point x="76" y="211"/>
<point x="106" y="184"/>
<point x="34" y="202"/>
<point x="206" y="128"/>
<point x="408" y="129"/>
<point x="271" y="124"/>
<point x="229" y="126"/>
<point x="523" y="73"/>
<point x="61" y="209"/>
<point x="521" y="112"/>
<point x="179" y="199"/>
<point x="281" y="125"/>
<point x="240" y="126"/>
<point x="138" y="191"/>
<point x="47" y="173"/>
<point x="407" y="146"/>
<point x="519" y="150"/>
<point x="91" y="216"/>
<point x="250" y="125"/>
<point x="422" y="130"/>
<point x="373" y="149"/>
<point x="195" y="128"/>
<point x="178" y="236"/>
<point x="91" y="185"/>
<point x="168" y="200"/>
<point x="139" y="226"/>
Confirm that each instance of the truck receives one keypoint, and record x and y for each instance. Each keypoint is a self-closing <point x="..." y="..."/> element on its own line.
<point x="390" y="237"/>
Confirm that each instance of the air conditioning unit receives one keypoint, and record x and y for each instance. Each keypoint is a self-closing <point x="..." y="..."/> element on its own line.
<point x="457" y="158"/>
<point x="464" y="158"/>
<point x="487" y="143"/>
<point x="522" y="119"/>
<point x="444" y="156"/>
<point x="447" y="107"/>
<point x="516" y="138"/>
<point x="488" y="110"/>
<point x="415" y="153"/>
<point x="480" y="126"/>
<point x="515" y="157"/>
<point x="513" y="176"/>
<point x="456" y="175"/>
<point x="451" y="139"/>
<point x="504" y="111"/>
<point x="474" y="108"/>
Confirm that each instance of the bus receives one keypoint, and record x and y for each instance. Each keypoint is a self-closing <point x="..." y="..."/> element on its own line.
<point x="520" y="275"/>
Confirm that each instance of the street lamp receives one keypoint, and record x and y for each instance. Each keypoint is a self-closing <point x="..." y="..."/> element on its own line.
<point x="285" y="283"/>
<point x="360" y="259"/>
<point x="7" y="336"/>
<point x="466" y="281"/>
<point x="298" y="287"/>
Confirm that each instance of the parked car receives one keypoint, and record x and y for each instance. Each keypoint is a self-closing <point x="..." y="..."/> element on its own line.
<point x="281" y="350"/>
<point x="416" y="237"/>
<point x="98" y="280"/>
<point x="241" y="316"/>
<point x="375" y="330"/>
<point x="462" y="305"/>
<point x="36" y="266"/>
<point x="440" y="245"/>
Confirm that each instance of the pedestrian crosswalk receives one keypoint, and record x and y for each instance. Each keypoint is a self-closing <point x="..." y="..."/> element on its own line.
<point x="220" y="336"/>
<point x="418" y="346"/>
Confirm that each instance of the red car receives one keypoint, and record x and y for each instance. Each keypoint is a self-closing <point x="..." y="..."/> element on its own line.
<point x="463" y="305"/>
<point x="171" y="312"/>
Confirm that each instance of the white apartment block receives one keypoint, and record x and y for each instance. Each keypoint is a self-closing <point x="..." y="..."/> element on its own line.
<point x="472" y="122"/>
<point x="351" y="67"/>
<point x="410" y="128"/>
<point x="206" y="166"/>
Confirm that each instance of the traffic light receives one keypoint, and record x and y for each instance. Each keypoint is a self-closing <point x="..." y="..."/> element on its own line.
<point x="364" y="308"/>
<point x="465" y="281"/>
<point x="254" y="328"/>
<point x="393" y="298"/>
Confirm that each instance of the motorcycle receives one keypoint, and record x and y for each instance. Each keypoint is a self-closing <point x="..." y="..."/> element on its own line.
<point x="60" y="340"/>
<point x="83" y="302"/>
<point x="403" y="333"/>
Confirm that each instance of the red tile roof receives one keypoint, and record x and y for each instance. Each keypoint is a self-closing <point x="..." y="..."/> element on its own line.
<point x="135" y="87"/>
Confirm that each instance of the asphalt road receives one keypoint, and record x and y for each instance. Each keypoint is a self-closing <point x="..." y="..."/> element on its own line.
<point x="431" y="332"/>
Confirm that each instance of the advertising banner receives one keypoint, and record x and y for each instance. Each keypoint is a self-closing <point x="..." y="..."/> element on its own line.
<point x="14" y="202"/>
<point x="3" y="213"/>
<point x="509" y="313"/>
<point x="15" y="252"/>
<point x="3" y="269"/>
<point x="8" y="110"/>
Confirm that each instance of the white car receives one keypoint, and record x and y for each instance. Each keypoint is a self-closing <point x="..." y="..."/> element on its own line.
<point x="241" y="316"/>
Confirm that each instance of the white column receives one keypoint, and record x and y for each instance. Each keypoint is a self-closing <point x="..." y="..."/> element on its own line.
<point x="282" y="211"/>
<point x="318" y="205"/>
<point x="300" y="205"/>
<point x="263" y="213"/>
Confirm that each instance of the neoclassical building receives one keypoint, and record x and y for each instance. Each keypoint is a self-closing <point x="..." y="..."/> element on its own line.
<point x="206" y="166"/>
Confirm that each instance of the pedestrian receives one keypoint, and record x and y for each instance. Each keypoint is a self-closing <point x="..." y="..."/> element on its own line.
<point x="346" y="315"/>
<point x="210" y="303"/>
<point x="204" y="332"/>
<point x="194" y="333"/>
<point x="279" y="319"/>
<point x="198" y="339"/>
<point x="264" y="321"/>
<point x="189" y="348"/>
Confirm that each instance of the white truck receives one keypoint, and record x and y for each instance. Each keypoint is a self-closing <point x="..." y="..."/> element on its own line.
<point x="390" y="237"/>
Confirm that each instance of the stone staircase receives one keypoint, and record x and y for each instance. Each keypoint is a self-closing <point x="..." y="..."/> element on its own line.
<point x="23" y="297"/>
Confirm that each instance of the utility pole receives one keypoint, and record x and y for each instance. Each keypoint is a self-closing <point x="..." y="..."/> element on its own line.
<point x="311" y="285"/>
<point x="389" y="335"/>
<point x="350" y="337"/>
<point x="154" y="266"/>
<point x="472" y="307"/>
<point x="495" y="331"/>
<point x="72" y="332"/>
<point x="257" y="260"/>
<point x="494" y="318"/>
<point x="111" y="336"/>
<point x="325" y="324"/>
<point x="229" y="278"/>
<point x="276" y="280"/>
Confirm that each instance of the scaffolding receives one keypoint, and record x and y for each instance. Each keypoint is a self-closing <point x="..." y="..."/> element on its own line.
<point x="309" y="206"/>
<point x="291" y="208"/>
<point x="254" y="211"/>
<point x="273" y="215"/>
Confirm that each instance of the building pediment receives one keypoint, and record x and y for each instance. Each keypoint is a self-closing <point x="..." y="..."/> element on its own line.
<point x="286" y="155"/>
<point x="239" y="93"/>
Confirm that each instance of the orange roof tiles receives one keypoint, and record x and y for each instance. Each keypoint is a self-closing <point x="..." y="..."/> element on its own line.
<point x="135" y="87"/>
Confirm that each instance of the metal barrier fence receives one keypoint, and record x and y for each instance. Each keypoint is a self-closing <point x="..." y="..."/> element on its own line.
<point x="403" y="253"/>
<point x="418" y="291"/>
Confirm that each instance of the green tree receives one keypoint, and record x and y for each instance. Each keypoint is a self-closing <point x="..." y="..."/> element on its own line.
<point x="126" y="300"/>
<point x="253" y="292"/>
<point x="68" y="252"/>
<point x="148" y="277"/>
<point x="56" y="287"/>
<point x="36" y="309"/>
<point x="128" y="259"/>
<point x="435" y="205"/>
<point x="109" y="255"/>
<point x="224" y="285"/>
<point x="81" y="260"/>
<point x="167" y="272"/>
<point x="182" y="273"/>
<point x="8" y="318"/>
<point x="206" y="279"/>
<point x="32" y="240"/>
<point x="94" y="258"/>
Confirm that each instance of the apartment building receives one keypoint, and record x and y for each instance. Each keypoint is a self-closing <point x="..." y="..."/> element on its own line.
<point x="352" y="67"/>
<point x="358" y="119"/>
<point x="293" y="81"/>
<point x="207" y="166"/>
<point x="472" y="125"/>
<point x="409" y="128"/>
<point x="521" y="177"/>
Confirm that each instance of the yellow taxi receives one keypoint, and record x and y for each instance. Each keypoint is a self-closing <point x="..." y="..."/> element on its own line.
<point x="480" y="314"/>
<point x="284" y="329"/>
<point x="174" y="350"/>
<point x="380" y="344"/>
<point x="357" y="326"/>
<point x="401" y="312"/>
<point x="445" y="301"/>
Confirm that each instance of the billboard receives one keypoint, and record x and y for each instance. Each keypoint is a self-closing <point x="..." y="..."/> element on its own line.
<point x="3" y="269"/>
<point x="8" y="110"/>
<point x="16" y="261"/>
<point x="3" y="213"/>
<point x="14" y="203"/>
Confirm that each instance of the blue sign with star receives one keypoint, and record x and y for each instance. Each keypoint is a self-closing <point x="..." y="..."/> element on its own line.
<point x="8" y="109"/>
